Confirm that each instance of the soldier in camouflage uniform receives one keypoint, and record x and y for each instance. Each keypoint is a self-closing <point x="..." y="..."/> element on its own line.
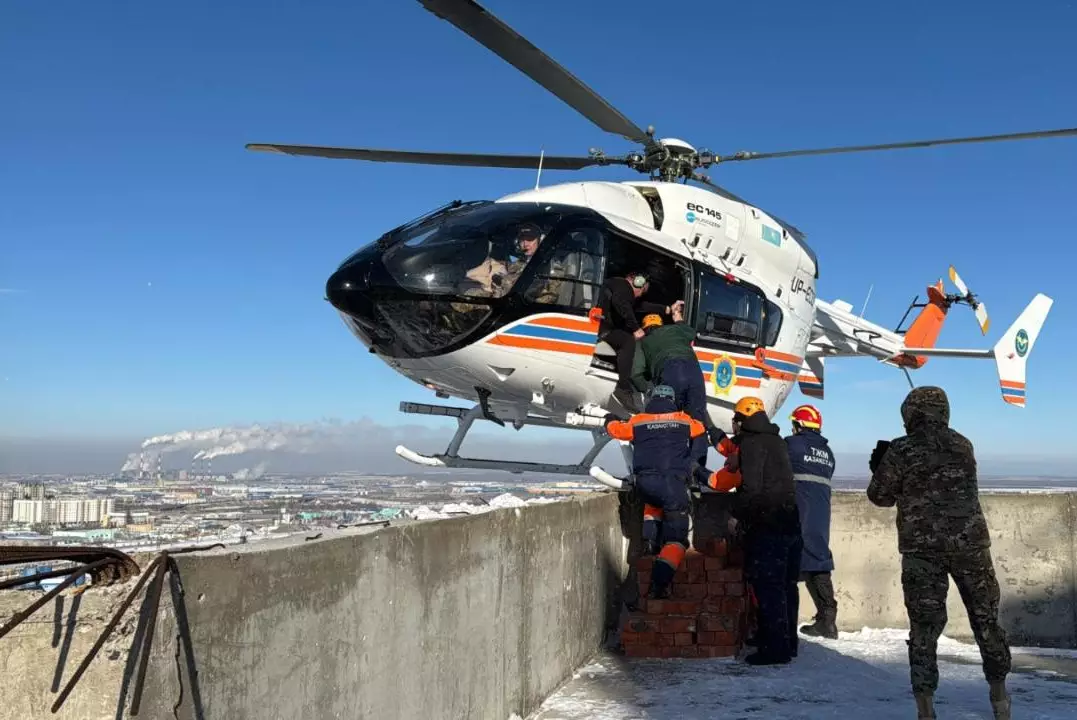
<point x="930" y="474"/>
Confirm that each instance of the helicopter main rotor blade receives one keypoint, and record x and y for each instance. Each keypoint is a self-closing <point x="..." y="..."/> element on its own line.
<point x="897" y="146"/>
<point x="496" y="36"/>
<point x="529" y="162"/>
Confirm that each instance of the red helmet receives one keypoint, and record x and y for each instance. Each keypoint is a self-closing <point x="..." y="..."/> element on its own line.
<point x="807" y="416"/>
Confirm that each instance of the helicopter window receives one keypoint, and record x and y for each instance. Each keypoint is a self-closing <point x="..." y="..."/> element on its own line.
<point x="728" y="313"/>
<point x="772" y="323"/>
<point x="572" y="271"/>
<point x="478" y="254"/>
<point x="421" y="327"/>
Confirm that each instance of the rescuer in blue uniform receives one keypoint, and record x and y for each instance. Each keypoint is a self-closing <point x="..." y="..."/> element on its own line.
<point x="662" y="463"/>
<point x="813" y="468"/>
<point x="665" y="356"/>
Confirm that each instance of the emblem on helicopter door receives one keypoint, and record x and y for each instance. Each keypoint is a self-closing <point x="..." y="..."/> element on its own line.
<point x="725" y="375"/>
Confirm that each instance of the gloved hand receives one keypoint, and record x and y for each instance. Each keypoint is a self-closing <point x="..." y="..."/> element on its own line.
<point x="610" y="418"/>
<point x="715" y="434"/>
<point x="699" y="476"/>
<point x="877" y="455"/>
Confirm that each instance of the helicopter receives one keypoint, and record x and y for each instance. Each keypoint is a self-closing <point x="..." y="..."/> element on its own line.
<point x="490" y="301"/>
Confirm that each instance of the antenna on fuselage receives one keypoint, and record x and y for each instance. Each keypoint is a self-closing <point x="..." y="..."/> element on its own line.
<point x="542" y="153"/>
<point x="863" y="309"/>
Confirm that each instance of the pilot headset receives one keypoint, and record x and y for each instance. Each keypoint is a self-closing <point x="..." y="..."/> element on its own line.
<point x="639" y="281"/>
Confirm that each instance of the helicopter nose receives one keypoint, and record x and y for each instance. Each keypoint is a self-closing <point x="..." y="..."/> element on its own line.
<point x="346" y="288"/>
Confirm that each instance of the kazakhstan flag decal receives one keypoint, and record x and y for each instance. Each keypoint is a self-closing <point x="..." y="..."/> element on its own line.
<point x="772" y="236"/>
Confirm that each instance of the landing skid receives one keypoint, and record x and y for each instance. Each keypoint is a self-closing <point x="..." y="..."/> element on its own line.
<point x="465" y="417"/>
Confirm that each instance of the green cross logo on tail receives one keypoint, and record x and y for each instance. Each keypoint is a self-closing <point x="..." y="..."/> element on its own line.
<point x="1020" y="343"/>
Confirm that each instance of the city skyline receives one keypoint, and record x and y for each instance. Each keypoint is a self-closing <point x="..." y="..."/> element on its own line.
<point x="372" y="451"/>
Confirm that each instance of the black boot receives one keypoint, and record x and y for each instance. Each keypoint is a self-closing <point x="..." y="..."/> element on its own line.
<point x="628" y="399"/>
<point x="823" y="626"/>
<point x="821" y="589"/>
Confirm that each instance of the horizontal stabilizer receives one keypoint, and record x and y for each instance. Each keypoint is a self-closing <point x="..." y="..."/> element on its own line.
<point x="810" y="379"/>
<point x="951" y="352"/>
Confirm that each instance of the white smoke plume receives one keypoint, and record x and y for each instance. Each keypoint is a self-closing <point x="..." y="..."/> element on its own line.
<point x="224" y="441"/>
<point x="251" y="473"/>
<point x="366" y="445"/>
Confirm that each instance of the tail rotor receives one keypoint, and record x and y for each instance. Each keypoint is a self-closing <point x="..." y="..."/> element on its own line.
<point x="969" y="299"/>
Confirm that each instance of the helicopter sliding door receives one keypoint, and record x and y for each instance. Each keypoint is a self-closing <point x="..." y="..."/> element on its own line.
<point x="732" y="319"/>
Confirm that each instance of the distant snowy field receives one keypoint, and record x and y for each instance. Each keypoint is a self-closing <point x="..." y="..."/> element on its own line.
<point x="505" y="500"/>
<point x="860" y="675"/>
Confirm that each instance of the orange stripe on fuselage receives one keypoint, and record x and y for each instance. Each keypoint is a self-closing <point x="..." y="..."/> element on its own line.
<point x="584" y="325"/>
<point x="566" y="323"/>
<point x="784" y="357"/>
<point x="541" y="344"/>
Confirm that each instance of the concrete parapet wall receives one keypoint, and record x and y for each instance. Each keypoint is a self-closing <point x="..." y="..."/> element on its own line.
<point x="1034" y="550"/>
<point x="472" y="617"/>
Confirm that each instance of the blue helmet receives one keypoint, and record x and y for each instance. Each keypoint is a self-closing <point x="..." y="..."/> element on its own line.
<point x="661" y="391"/>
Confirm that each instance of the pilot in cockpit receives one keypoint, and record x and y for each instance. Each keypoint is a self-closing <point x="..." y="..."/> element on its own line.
<point x="495" y="277"/>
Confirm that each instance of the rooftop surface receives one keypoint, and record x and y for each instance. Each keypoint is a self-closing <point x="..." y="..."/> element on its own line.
<point x="860" y="675"/>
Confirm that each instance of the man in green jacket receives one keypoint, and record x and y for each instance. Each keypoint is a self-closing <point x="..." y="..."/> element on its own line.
<point x="665" y="356"/>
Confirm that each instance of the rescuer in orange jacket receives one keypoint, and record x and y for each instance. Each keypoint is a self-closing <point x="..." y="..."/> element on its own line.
<point x="728" y="477"/>
<point x="662" y="464"/>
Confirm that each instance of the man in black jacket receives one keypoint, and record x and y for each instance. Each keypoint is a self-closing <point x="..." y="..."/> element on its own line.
<point x="618" y="303"/>
<point x="765" y="512"/>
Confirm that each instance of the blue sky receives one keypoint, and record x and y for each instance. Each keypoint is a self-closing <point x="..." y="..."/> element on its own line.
<point x="169" y="279"/>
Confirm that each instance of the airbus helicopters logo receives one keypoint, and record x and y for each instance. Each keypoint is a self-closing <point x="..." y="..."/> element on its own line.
<point x="703" y="214"/>
<point x="1020" y="343"/>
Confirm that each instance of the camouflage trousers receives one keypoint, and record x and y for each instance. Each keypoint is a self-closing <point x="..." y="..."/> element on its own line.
<point x="925" y="581"/>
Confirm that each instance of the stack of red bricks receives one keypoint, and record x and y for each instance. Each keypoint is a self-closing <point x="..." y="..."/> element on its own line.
<point x="704" y="615"/>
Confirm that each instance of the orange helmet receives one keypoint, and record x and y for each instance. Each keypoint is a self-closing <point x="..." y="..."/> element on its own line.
<point x="807" y="416"/>
<point x="651" y="320"/>
<point x="747" y="406"/>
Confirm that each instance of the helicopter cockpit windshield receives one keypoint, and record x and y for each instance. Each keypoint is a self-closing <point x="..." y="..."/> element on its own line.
<point x="481" y="254"/>
<point x="426" y="287"/>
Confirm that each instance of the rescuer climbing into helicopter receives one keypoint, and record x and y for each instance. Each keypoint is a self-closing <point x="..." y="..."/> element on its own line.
<point x="665" y="356"/>
<point x="662" y="464"/>
<point x="618" y="302"/>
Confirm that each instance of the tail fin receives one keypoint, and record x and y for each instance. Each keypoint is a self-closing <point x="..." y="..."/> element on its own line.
<point x="811" y="378"/>
<point x="924" y="331"/>
<point x="1013" y="348"/>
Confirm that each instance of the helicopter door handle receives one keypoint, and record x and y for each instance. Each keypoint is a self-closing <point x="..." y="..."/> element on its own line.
<point x="760" y="361"/>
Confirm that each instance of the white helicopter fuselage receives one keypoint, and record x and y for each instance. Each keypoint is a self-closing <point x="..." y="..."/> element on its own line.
<point x="540" y="365"/>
